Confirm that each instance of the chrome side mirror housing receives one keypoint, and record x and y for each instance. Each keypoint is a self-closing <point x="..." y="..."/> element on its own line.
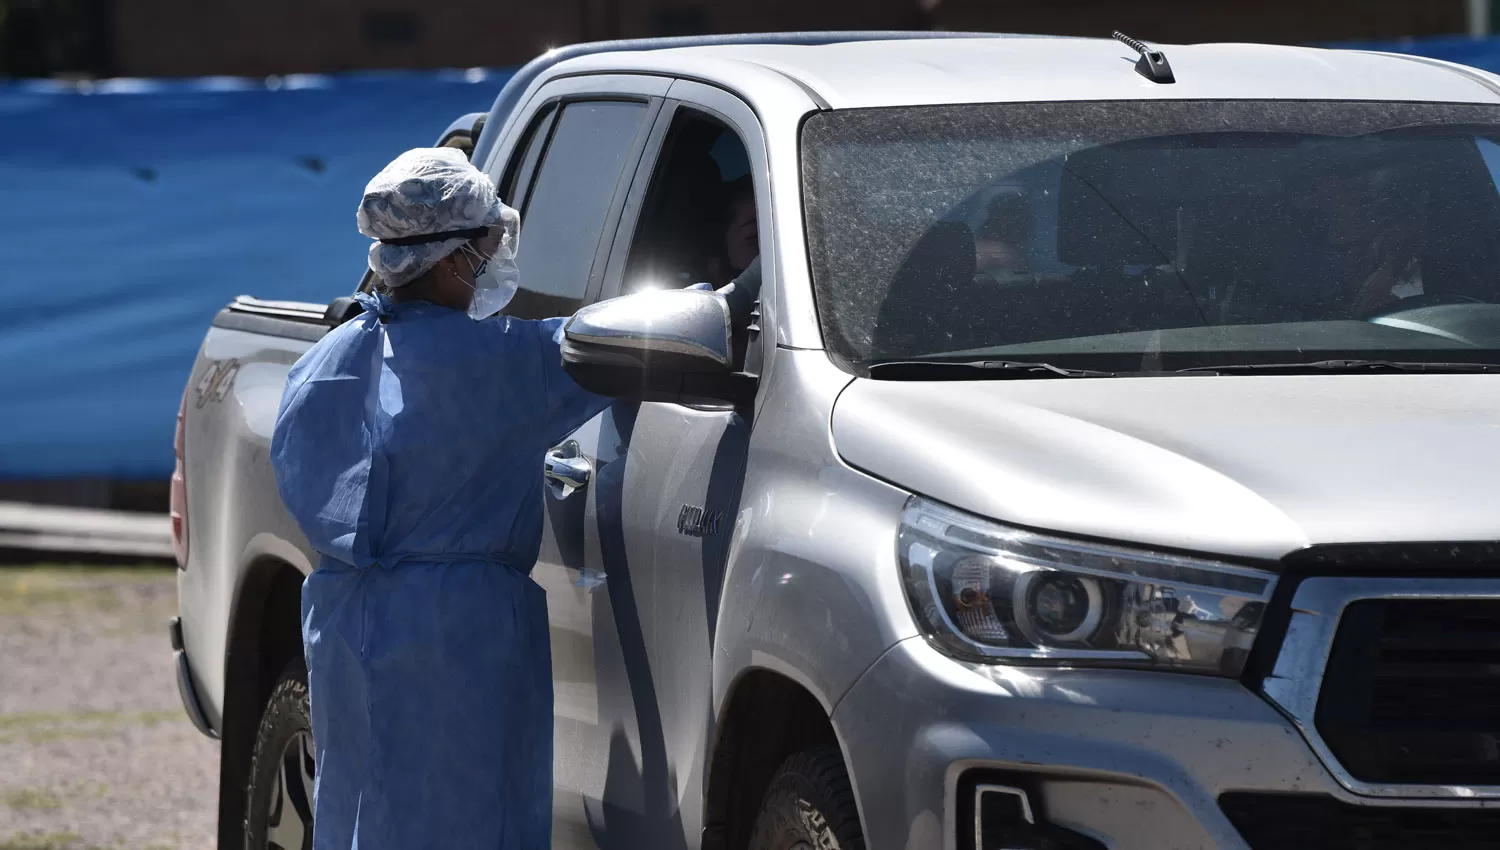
<point x="669" y="345"/>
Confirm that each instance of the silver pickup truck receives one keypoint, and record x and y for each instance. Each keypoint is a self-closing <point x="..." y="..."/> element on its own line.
<point x="1106" y="462"/>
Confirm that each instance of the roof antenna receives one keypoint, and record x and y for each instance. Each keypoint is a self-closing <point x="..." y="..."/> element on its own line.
<point x="1152" y="64"/>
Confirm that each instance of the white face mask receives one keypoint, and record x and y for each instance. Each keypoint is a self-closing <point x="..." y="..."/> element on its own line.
<point x="496" y="278"/>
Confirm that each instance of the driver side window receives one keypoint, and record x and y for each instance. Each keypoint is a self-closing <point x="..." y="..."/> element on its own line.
<point x="698" y="223"/>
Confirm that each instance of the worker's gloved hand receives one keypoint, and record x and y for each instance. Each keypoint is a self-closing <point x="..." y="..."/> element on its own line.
<point x="742" y="293"/>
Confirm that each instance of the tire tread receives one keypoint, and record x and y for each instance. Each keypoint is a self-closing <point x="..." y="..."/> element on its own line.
<point x="810" y="798"/>
<point x="289" y="696"/>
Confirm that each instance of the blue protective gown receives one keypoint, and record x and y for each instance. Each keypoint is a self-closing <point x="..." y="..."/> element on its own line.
<point x="409" y="449"/>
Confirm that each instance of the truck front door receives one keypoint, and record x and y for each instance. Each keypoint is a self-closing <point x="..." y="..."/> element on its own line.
<point x="666" y="487"/>
<point x="569" y="171"/>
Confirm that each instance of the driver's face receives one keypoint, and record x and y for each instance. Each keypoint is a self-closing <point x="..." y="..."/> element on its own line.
<point x="741" y="239"/>
<point x="1353" y="211"/>
<point x="993" y="255"/>
<point x="1347" y="212"/>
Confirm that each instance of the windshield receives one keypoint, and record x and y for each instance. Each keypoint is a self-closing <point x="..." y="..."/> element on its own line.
<point x="1156" y="236"/>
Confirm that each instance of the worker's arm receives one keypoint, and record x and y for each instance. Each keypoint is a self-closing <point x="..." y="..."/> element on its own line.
<point x="567" y="405"/>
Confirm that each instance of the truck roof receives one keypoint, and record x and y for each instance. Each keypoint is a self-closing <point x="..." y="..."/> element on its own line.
<point x="843" y="70"/>
<point x="925" y="71"/>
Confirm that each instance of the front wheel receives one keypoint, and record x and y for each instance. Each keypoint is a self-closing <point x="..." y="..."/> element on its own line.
<point x="280" y="813"/>
<point x="810" y="806"/>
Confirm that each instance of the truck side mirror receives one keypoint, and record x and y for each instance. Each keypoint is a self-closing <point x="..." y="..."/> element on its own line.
<point x="669" y="345"/>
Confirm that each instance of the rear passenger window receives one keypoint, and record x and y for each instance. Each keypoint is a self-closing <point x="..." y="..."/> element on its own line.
<point x="568" y="201"/>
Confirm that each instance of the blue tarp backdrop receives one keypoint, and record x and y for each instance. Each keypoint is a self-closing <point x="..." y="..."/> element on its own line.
<point x="130" y="214"/>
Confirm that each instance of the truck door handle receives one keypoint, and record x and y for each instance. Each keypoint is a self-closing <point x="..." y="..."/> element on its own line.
<point x="565" y="471"/>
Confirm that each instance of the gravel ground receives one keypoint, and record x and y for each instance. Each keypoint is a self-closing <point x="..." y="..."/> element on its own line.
<point x="96" y="751"/>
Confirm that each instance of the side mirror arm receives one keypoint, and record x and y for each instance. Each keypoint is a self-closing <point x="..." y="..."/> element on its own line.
<point x="341" y="310"/>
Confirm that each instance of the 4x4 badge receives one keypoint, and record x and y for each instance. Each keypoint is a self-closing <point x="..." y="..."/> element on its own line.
<point x="216" y="381"/>
<point x="697" y="522"/>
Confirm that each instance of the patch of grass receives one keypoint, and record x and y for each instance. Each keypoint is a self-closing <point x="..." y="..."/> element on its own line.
<point x="27" y="591"/>
<point x="140" y="574"/>
<point x="154" y="718"/>
<point x="41" y="841"/>
<point x="41" y="736"/>
<point x="142" y="593"/>
<point x="36" y="727"/>
<point x="103" y="718"/>
<point x="66" y="840"/>
<point x="29" y="720"/>
<point x="86" y="788"/>
<point x="33" y="798"/>
<point x="142" y="571"/>
<point x="18" y="595"/>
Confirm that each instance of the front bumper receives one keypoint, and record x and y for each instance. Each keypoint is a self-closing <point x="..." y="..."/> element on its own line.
<point x="1136" y="760"/>
<point x="185" y="687"/>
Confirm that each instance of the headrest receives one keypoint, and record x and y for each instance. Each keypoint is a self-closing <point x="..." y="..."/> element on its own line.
<point x="945" y="253"/>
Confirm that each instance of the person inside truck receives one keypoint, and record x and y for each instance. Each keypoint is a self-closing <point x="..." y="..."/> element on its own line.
<point x="1368" y="242"/>
<point x="1002" y="240"/>
<point x="407" y="448"/>
<point x="740" y="240"/>
<point x="1383" y="218"/>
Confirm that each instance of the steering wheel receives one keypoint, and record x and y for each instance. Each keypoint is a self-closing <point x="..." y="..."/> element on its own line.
<point x="1417" y="302"/>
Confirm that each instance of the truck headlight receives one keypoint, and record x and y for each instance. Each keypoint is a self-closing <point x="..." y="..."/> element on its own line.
<point x="985" y="591"/>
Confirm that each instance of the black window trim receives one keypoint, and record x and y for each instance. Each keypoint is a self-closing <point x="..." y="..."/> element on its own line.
<point x="640" y="185"/>
<point x="513" y="177"/>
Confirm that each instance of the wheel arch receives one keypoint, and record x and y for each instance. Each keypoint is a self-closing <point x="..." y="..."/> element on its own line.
<point x="766" y="718"/>
<point x="264" y="635"/>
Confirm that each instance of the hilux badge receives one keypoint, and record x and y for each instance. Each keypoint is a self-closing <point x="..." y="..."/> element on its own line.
<point x="697" y="522"/>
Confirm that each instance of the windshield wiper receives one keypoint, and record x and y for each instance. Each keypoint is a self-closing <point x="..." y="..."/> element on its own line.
<point x="1347" y="366"/>
<point x="975" y="370"/>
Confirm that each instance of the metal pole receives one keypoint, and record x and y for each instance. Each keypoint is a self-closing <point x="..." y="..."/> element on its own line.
<point x="1479" y="18"/>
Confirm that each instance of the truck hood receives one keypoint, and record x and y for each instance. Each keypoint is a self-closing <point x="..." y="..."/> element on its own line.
<point x="1252" y="467"/>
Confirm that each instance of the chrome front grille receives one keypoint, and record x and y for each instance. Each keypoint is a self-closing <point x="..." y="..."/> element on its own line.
<point x="1411" y="693"/>
<point x="1395" y="683"/>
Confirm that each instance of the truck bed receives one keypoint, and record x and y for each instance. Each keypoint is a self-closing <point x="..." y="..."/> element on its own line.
<point x="289" y="319"/>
